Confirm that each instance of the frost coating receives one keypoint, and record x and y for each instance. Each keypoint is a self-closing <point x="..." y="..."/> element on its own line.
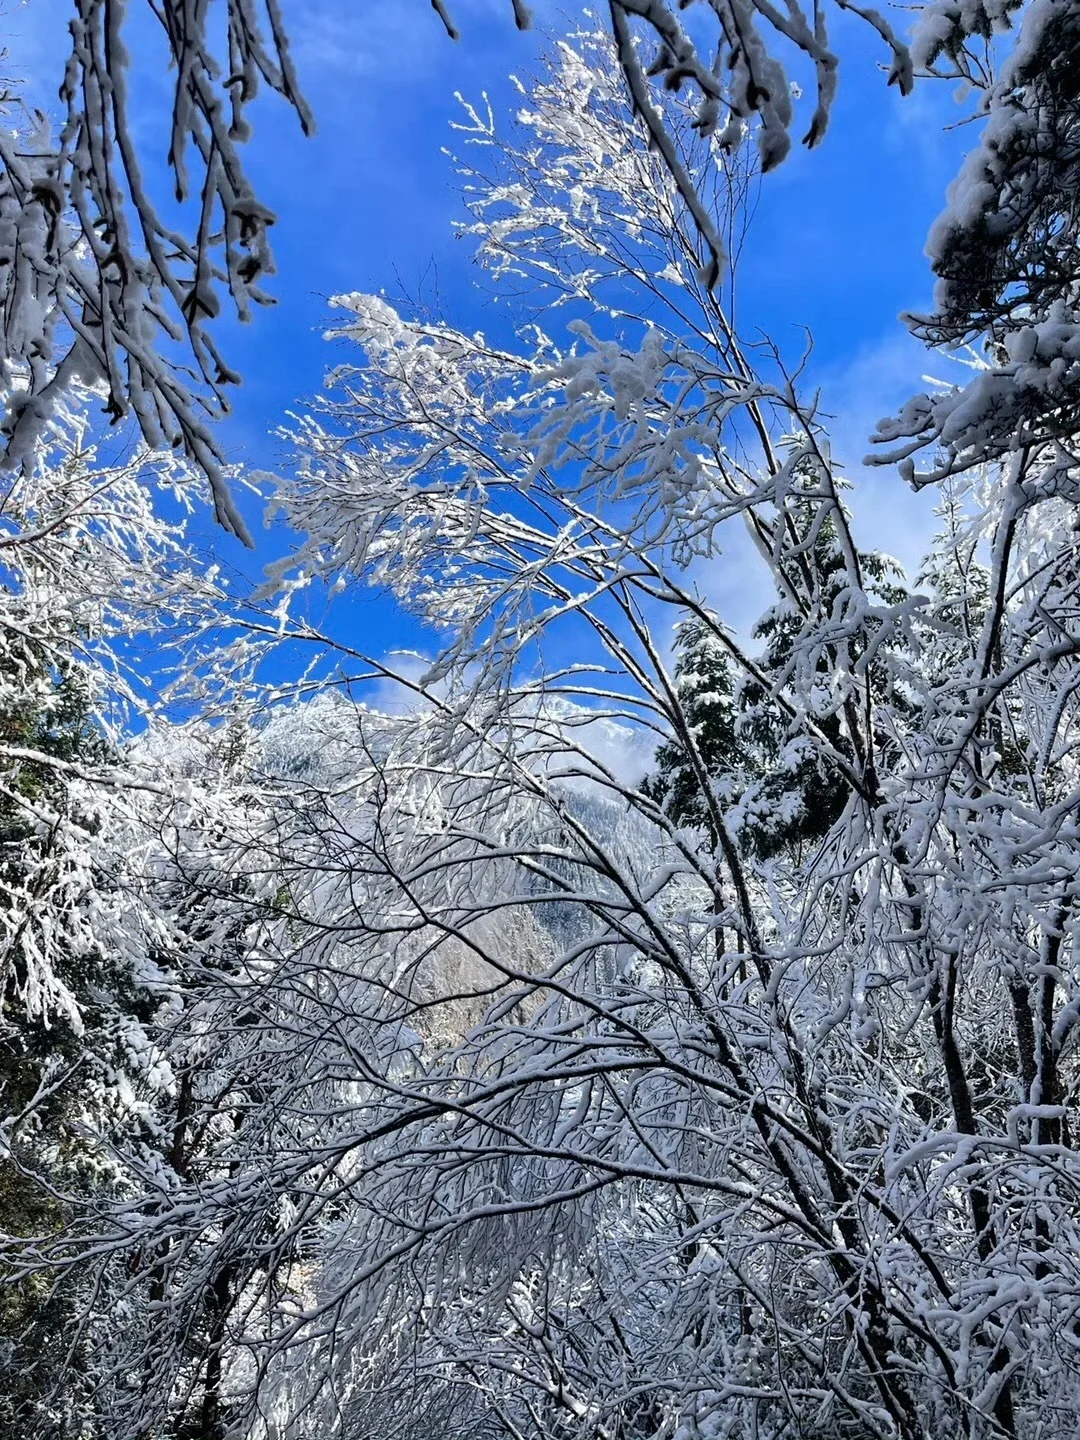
<point x="1004" y="255"/>
<point x="97" y="285"/>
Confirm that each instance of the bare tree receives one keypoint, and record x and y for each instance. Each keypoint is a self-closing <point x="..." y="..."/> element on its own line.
<point x="764" y="1138"/>
<point x="100" y="284"/>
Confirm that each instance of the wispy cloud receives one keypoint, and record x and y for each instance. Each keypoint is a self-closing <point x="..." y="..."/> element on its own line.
<point x="35" y="41"/>
<point x="391" y="40"/>
<point x="888" y="515"/>
<point x="379" y="40"/>
<point x="880" y="376"/>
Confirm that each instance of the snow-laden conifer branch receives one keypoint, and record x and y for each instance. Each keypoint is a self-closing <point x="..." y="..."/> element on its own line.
<point x="1003" y="253"/>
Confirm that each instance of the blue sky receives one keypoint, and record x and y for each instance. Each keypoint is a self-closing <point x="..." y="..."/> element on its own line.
<point x="369" y="203"/>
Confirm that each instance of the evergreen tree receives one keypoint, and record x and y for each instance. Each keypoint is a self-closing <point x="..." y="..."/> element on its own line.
<point x="759" y="759"/>
<point x="58" y="1056"/>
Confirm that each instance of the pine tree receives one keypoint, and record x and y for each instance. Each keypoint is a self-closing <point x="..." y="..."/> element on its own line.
<point x="785" y="792"/>
<point x="55" y="1060"/>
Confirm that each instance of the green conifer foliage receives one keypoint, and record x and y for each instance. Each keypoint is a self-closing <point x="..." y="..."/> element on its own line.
<point x="53" y="1060"/>
<point x="785" y="792"/>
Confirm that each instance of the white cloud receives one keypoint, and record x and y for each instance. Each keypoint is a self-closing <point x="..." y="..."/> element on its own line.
<point x="392" y="39"/>
<point x="889" y="515"/>
<point x="381" y="39"/>
<point x="37" y="44"/>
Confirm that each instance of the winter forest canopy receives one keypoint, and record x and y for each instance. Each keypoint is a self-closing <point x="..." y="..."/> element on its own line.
<point x="576" y="1006"/>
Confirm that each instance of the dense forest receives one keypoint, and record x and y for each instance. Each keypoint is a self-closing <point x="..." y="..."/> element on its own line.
<point x="600" y="1020"/>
